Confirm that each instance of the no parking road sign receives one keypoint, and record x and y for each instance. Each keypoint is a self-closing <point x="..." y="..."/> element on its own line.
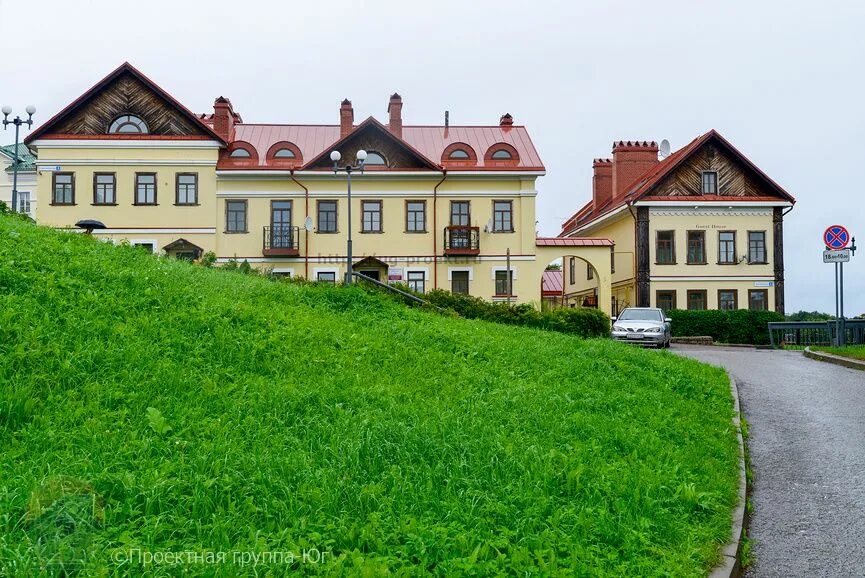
<point x="836" y="238"/>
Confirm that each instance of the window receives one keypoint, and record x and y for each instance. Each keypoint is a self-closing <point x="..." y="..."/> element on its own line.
<point x="280" y="225"/>
<point x="416" y="281"/>
<point x="187" y="189"/>
<point x="326" y="276"/>
<point x="415" y="216"/>
<point x="696" y="247"/>
<point x="374" y="159"/>
<point x="284" y="154"/>
<point x="504" y="282"/>
<point x="727" y="247"/>
<point x="104" y="187"/>
<point x="240" y="153"/>
<point x="459" y="155"/>
<point x="757" y="247"/>
<point x="710" y="183"/>
<point x="148" y="246"/>
<point x="728" y="299"/>
<point x="503" y="212"/>
<point x="371" y="216"/>
<point x="128" y="124"/>
<point x="460" y="282"/>
<point x="697" y="300"/>
<point x="758" y="299"/>
<point x="235" y="216"/>
<point x="64" y="189"/>
<point x="24" y="202"/>
<point x="590" y="272"/>
<point x="502" y="155"/>
<point x="326" y="216"/>
<point x="572" y="270"/>
<point x="665" y="248"/>
<point x="460" y="213"/>
<point x="145" y="188"/>
<point x="665" y="300"/>
<point x="185" y="255"/>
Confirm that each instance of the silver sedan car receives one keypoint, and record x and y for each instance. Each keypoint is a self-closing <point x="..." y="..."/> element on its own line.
<point x="643" y="326"/>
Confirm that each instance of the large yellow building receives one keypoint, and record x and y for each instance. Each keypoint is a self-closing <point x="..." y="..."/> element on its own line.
<point x="700" y="229"/>
<point x="449" y="207"/>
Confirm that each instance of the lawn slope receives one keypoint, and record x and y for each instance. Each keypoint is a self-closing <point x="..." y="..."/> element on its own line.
<point x="152" y="406"/>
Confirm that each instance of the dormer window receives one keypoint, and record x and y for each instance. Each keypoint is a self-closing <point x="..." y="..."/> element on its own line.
<point x="710" y="182"/>
<point x="128" y="124"/>
<point x="284" y="154"/>
<point x="240" y="154"/>
<point x="459" y="155"/>
<point x="375" y="159"/>
<point x="502" y="155"/>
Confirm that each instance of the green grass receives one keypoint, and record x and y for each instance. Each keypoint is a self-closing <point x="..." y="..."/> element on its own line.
<point x="851" y="351"/>
<point x="156" y="406"/>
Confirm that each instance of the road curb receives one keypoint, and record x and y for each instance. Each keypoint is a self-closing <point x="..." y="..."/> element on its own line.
<point x="730" y="564"/>
<point x="836" y="359"/>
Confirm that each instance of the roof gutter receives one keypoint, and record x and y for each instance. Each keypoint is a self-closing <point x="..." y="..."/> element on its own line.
<point x="435" y="230"/>
<point x="306" y="231"/>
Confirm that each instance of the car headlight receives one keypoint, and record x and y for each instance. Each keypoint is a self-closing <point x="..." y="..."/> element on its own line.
<point x="618" y="328"/>
<point x="654" y="330"/>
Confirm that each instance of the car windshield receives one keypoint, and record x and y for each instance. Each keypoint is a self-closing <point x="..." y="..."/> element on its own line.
<point x="640" y="315"/>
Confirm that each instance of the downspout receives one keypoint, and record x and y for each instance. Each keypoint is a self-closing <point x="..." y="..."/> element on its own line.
<point x="435" y="230"/>
<point x="306" y="232"/>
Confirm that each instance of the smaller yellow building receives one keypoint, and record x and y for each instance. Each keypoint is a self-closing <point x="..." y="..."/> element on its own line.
<point x="699" y="229"/>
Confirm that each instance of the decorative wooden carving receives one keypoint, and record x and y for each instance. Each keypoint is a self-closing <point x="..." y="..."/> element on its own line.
<point x="126" y="95"/>
<point x="372" y="138"/>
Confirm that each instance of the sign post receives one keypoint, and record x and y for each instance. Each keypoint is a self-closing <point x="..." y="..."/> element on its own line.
<point x="837" y="239"/>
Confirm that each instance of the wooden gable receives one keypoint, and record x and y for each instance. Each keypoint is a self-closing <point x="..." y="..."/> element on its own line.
<point x="735" y="179"/>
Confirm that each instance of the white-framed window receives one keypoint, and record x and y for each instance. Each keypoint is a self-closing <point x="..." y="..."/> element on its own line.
<point x="325" y="274"/>
<point x="416" y="279"/>
<point x="504" y="283"/>
<point x="149" y="244"/>
<point x="24" y="202"/>
<point x="282" y="272"/>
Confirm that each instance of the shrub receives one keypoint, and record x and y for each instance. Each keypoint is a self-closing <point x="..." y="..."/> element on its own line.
<point x="739" y="326"/>
<point x="208" y="259"/>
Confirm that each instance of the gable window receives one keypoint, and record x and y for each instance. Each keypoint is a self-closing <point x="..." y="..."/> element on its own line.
<point x="697" y="300"/>
<point x="235" y="216"/>
<point x="665" y="248"/>
<point x="696" y="247"/>
<point x="416" y="281"/>
<point x="284" y="154"/>
<point x="128" y="124"/>
<point x="665" y="300"/>
<point x="64" y="189"/>
<point x="572" y="270"/>
<point x="757" y="247"/>
<point x="758" y="299"/>
<point x="727" y="247"/>
<point x="187" y="189"/>
<point x="504" y="282"/>
<point x="145" y="188"/>
<point x="502" y="155"/>
<point x="460" y="282"/>
<point x="371" y="216"/>
<point x="374" y="159"/>
<point x="728" y="299"/>
<point x="590" y="272"/>
<point x="240" y="153"/>
<point x="503" y="213"/>
<point x="415" y="216"/>
<point x="104" y="186"/>
<point x="326" y="217"/>
<point x="710" y="182"/>
<point x="459" y="155"/>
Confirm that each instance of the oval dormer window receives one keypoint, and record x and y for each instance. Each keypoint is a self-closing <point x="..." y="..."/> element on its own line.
<point x="375" y="159"/>
<point x="459" y="155"/>
<point x="502" y="155"/>
<point x="128" y="124"/>
<point x="240" y="153"/>
<point x="284" y="154"/>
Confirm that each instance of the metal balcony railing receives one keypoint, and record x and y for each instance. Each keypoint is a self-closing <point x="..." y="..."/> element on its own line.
<point x="281" y="241"/>
<point x="462" y="240"/>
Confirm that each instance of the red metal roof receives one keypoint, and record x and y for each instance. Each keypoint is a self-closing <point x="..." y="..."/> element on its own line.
<point x="551" y="283"/>
<point x="572" y="242"/>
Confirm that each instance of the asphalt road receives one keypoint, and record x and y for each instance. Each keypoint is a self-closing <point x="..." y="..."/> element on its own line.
<point x="807" y="446"/>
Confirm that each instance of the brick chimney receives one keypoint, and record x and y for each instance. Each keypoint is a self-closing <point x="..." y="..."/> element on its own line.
<point x="346" y="118"/>
<point x="506" y="120"/>
<point x="223" y="118"/>
<point x="602" y="183"/>
<point x="631" y="159"/>
<point x="394" y="109"/>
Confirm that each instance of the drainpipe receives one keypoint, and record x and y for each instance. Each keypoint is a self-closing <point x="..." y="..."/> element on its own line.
<point x="306" y="233"/>
<point x="435" y="230"/>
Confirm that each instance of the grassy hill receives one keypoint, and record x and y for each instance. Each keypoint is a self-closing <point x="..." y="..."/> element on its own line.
<point x="151" y="408"/>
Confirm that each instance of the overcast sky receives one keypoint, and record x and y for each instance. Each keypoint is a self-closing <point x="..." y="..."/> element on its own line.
<point x="781" y="79"/>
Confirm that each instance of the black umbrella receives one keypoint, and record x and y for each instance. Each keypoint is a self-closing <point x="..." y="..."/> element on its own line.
<point x="89" y="225"/>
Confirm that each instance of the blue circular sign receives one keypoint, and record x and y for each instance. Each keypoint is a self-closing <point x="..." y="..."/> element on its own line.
<point x="836" y="237"/>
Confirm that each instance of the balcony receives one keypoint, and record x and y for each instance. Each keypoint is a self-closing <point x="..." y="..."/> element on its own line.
<point x="462" y="240"/>
<point x="281" y="241"/>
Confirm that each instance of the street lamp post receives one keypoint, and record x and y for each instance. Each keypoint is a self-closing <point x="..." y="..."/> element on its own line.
<point x="335" y="156"/>
<point x="7" y="110"/>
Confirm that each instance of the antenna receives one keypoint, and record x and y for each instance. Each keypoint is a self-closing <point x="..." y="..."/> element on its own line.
<point x="664" y="149"/>
<point x="489" y="226"/>
<point x="308" y="224"/>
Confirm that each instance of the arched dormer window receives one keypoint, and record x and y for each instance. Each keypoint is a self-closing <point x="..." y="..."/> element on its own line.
<point x="284" y="153"/>
<point x="459" y="154"/>
<point x="240" y="154"/>
<point x="128" y="124"/>
<point x="374" y="159"/>
<point x="502" y="154"/>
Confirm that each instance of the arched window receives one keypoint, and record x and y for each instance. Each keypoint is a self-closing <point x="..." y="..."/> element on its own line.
<point x="284" y="154"/>
<point x="375" y="159"/>
<point x="128" y="124"/>
<point x="501" y="155"/>
<point x="240" y="154"/>
<point x="459" y="155"/>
